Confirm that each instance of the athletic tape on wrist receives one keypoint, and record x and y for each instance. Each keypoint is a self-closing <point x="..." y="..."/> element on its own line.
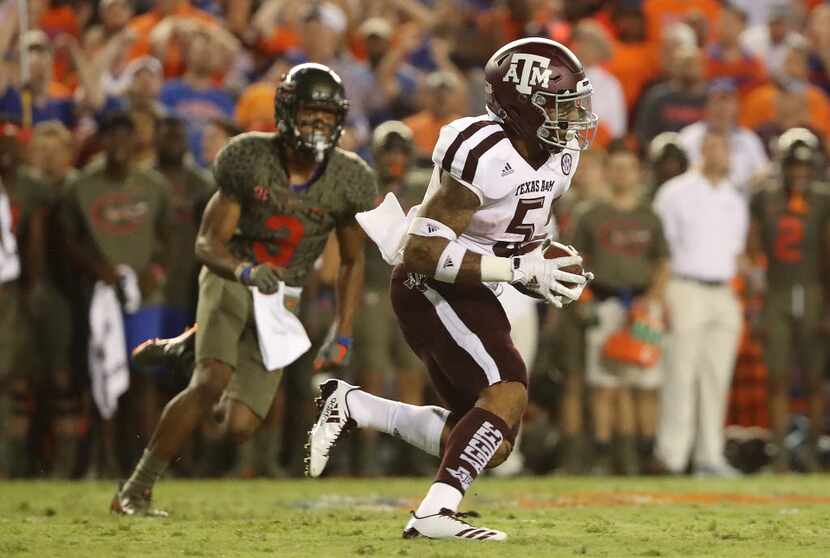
<point x="424" y="226"/>
<point x="449" y="264"/>
<point x="243" y="272"/>
<point x="494" y="268"/>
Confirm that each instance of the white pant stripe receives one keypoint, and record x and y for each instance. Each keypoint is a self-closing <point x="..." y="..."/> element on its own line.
<point x="462" y="335"/>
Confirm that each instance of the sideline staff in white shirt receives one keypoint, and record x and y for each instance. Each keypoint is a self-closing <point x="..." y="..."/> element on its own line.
<point x="705" y="221"/>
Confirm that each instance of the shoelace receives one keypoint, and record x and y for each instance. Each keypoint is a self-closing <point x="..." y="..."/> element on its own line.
<point x="459" y="516"/>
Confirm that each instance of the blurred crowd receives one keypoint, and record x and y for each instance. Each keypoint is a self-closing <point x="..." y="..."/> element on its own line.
<point x="112" y="111"/>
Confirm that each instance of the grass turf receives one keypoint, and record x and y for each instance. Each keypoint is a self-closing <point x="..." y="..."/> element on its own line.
<point x="757" y="517"/>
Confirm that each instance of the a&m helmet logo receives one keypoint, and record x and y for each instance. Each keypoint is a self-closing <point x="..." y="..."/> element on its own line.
<point x="567" y="162"/>
<point x="534" y="71"/>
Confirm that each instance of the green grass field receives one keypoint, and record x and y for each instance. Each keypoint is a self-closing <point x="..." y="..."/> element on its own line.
<point x="554" y="516"/>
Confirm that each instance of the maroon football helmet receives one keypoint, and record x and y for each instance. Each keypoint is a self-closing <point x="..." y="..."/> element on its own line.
<point x="537" y="88"/>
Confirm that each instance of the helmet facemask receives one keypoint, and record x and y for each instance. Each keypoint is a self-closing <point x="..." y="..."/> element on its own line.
<point x="317" y="128"/>
<point x="567" y="117"/>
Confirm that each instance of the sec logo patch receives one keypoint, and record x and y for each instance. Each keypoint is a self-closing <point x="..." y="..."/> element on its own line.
<point x="567" y="162"/>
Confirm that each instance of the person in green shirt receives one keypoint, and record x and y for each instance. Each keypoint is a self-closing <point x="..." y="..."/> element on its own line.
<point x="790" y="228"/>
<point x="117" y="214"/>
<point x="622" y="242"/>
<point x="124" y="210"/>
<point x="279" y="197"/>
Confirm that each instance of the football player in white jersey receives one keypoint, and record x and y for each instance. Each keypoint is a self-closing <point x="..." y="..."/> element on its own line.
<point x="483" y="221"/>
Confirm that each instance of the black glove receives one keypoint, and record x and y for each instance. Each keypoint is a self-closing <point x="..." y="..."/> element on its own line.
<point x="264" y="277"/>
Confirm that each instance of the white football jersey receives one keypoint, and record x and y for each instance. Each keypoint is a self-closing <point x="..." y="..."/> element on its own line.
<point x="516" y="198"/>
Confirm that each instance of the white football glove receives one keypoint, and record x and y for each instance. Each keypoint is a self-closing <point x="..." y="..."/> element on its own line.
<point x="546" y="277"/>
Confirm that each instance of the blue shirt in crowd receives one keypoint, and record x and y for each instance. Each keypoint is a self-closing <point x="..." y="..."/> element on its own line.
<point x="197" y="108"/>
<point x="55" y="108"/>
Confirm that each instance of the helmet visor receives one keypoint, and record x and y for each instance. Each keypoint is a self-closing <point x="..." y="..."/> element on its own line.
<point x="570" y="122"/>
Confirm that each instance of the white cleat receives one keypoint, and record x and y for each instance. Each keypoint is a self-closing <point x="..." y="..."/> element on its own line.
<point x="448" y="524"/>
<point x="334" y="421"/>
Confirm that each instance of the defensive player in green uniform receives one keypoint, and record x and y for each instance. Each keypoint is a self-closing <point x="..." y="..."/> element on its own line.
<point x="279" y="196"/>
<point x="790" y="226"/>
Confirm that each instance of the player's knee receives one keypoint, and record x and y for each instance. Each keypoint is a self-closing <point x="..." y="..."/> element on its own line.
<point x="208" y="382"/>
<point x="501" y="455"/>
<point x="506" y="399"/>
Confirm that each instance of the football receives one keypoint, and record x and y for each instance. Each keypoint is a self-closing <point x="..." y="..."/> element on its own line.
<point x="551" y="252"/>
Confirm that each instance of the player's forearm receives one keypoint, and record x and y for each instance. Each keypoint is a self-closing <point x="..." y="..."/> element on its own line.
<point x="349" y="289"/>
<point x="217" y="257"/>
<point x="422" y="255"/>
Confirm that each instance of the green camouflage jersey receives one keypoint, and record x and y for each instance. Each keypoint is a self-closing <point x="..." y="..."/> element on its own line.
<point x="410" y="193"/>
<point x="793" y="235"/>
<point x="286" y="226"/>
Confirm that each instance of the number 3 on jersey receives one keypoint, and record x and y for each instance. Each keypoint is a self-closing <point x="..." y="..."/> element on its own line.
<point x="280" y="251"/>
<point x="518" y="226"/>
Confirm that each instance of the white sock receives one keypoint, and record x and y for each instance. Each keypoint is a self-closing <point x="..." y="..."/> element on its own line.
<point x="440" y="495"/>
<point x="419" y="426"/>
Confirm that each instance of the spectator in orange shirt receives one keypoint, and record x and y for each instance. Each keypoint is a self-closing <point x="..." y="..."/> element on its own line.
<point x="727" y="58"/>
<point x="791" y="111"/>
<point x="634" y="61"/>
<point x="53" y="20"/>
<point x="443" y="101"/>
<point x="760" y="106"/>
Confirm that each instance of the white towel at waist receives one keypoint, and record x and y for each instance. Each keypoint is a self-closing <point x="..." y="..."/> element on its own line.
<point x="387" y="226"/>
<point x="9" y="259"/>
<point x="282" y="337"/>
<point x="107" y="352"/>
